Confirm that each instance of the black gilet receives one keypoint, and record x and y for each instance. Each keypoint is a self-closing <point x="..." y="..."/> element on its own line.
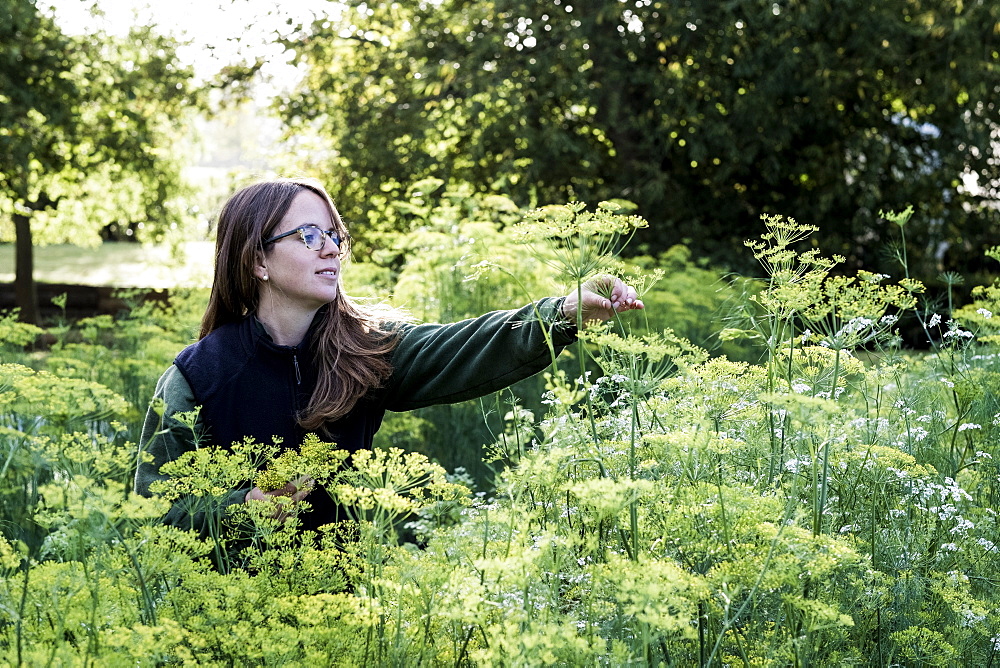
<point x="249" y="386"/>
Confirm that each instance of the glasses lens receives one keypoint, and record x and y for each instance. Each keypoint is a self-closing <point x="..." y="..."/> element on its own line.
<point x="312" y="237"/>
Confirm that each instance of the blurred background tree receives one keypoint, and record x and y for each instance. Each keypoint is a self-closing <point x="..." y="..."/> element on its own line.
<point x="87" y="125"/>
<point x="704" y="113"/>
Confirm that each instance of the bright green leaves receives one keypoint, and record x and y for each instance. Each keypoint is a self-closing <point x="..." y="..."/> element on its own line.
<point x="212" y="472"/>
<point x="15" y="334"/>
<point x="645" y="361"/>
<point x="388" y="485"/>
<point x="56" y="403"/>
<point x="801" y="297"/>
<point x="91" y="125"/>
<point x="314" y="459"/>
<point x="819" y="504"/>
<point x="575" y="242"/>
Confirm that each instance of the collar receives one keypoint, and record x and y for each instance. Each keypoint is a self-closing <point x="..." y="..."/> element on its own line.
<point x="260" y="332"/>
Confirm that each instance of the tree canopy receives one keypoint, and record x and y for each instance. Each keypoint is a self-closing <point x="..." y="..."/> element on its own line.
<point x="706" y="114"/>
<point x="85" y="129"/>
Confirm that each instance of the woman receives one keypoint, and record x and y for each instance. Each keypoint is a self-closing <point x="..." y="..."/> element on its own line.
<point x="283" y="351"/>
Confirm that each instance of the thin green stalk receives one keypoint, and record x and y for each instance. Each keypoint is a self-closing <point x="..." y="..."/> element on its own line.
<point x="19" y="625"/>
<point x="815" y="485"/>
<point x="777" y="446"/>
<point x="92" y="642"/>
<point x="817" y="526"/>
<point x="702" y="639"/>
<point x="582" y="355"/>
<point x="148" y="604"/>
<point x="722" y="507"/>
<point x="633" y="508"/>
<point x="906" y="264"/>
<point x="878" y="610"/>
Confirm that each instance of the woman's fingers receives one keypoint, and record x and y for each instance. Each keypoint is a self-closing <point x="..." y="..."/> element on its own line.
<point x="600" y="298"/>
<point x="623" y="297"/>
<point x="295" y="490"/>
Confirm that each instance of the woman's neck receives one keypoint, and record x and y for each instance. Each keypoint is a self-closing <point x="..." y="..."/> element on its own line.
<point x="286" y="329"/>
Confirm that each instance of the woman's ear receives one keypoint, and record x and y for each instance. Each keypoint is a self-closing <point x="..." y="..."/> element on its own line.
<point x="260" y="270"/>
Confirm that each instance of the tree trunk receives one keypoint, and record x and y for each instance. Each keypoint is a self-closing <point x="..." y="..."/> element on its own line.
<point x="25" y="291"/>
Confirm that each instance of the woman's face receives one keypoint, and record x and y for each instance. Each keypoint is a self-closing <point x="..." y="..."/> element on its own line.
<point x="300" y="279"/>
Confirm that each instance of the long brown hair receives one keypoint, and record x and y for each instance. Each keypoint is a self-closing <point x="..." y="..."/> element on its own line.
<point x="351" y="345"/>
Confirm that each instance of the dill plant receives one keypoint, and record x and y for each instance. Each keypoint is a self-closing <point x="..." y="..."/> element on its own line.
<point x="834" y="504"/>
<point x="578" y="245"/>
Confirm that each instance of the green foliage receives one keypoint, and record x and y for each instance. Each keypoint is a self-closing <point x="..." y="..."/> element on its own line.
<point x="88" y="123"/>
<point x="461" y="259"/>
<point x="16" y="335"/>
<point x="89" y="117"/>
<point x="131" y="350"/>
<point x="983" y="314"/>
<point x="688" y="298"/>
<point x="833" y="502"/>
<point x="704" y="115"/>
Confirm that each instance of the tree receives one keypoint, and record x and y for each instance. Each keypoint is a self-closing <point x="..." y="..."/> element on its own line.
<point x="705" y="114"/>
<point x="83" y="130"/>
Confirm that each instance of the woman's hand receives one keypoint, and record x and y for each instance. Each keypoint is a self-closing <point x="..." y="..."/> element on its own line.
<point x="599" y="299"/>
<point x="296" y="490"/>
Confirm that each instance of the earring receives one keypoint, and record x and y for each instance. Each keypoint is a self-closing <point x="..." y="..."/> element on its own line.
<point x="265" y="277"/>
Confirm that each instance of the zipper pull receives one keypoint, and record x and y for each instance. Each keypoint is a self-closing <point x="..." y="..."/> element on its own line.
<point x="298" y="374"/>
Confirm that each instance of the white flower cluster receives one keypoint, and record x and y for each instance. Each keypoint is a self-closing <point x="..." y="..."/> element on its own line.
<point x="826" y="394"/>
<point x="971" y="618"/>
<point x="902" y="475"/>
<point x="958" y="332"/>
<point x="932" y="494"/>
<point x="985" y="313"/>
<point x="962" y="526"/>
<point x="873" y="427"/>
<point x="854" y="326"/>
<point x="798" y="465"/>
<point x="942" y="500"/>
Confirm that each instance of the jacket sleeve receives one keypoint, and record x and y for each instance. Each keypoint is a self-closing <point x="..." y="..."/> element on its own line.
<point x="165" y="439"/>
<point x="442" y="364"/>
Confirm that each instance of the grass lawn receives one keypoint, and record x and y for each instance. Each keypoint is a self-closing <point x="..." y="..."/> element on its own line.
<point x="118" y="264"/>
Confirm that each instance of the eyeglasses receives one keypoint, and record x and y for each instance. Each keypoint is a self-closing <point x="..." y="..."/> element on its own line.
<point x="313" y="237"/>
